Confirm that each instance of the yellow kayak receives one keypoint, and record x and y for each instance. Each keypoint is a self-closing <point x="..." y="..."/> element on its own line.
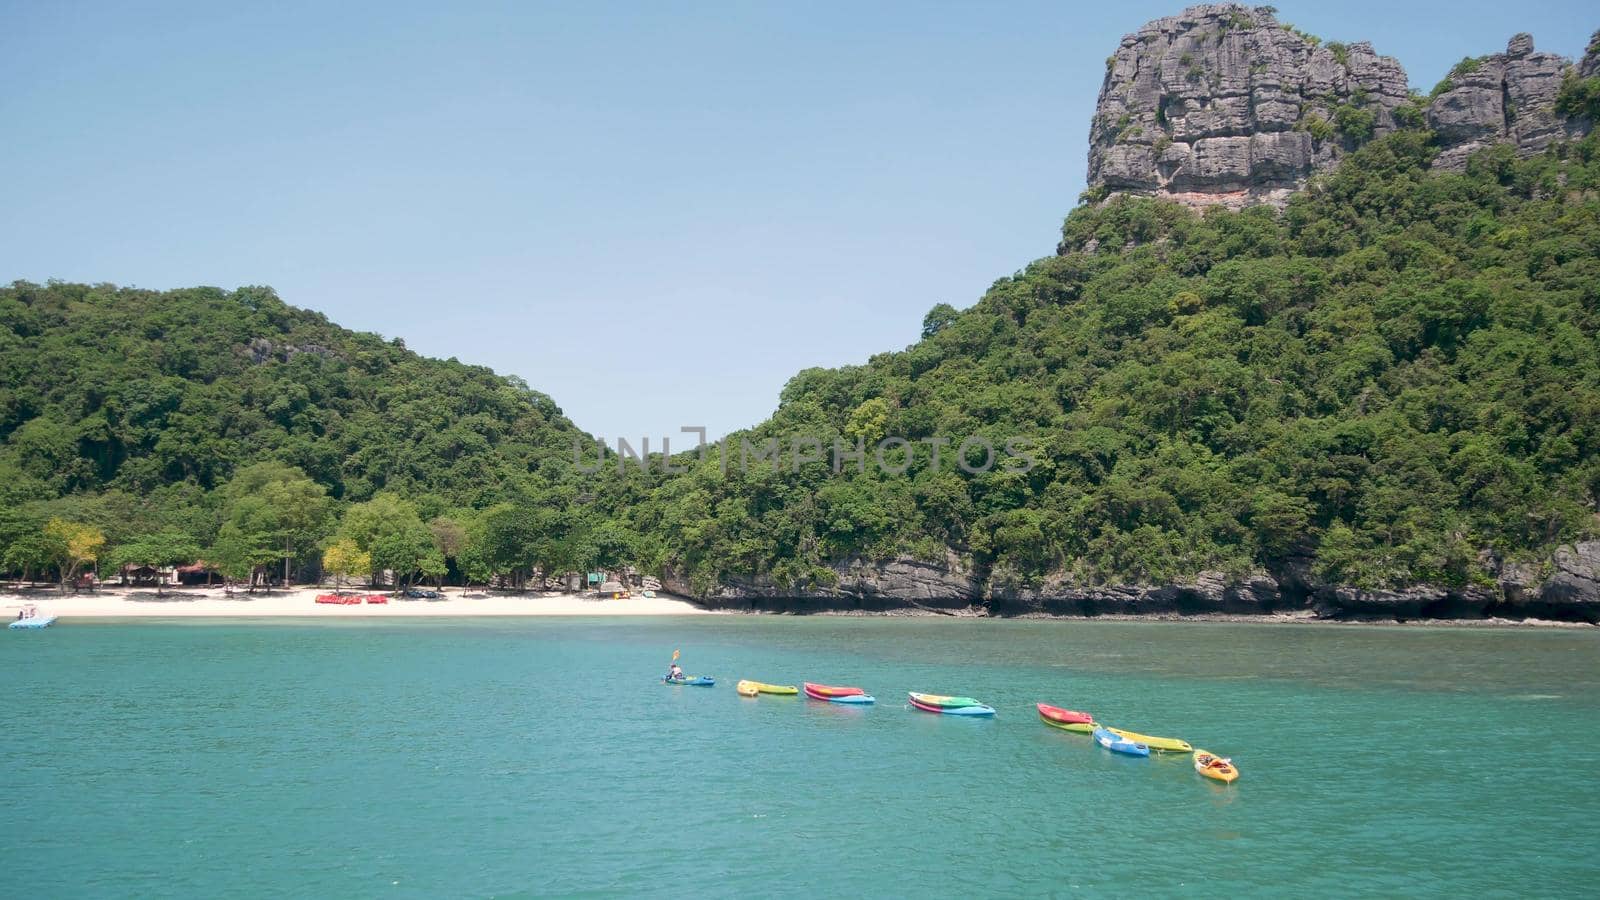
<point x="1169" y="745"/>
<point x="752" y="688"/>
<point x="1215" y="767"/>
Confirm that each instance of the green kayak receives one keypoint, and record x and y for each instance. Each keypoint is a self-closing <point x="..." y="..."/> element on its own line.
<point x="944" y="702"/>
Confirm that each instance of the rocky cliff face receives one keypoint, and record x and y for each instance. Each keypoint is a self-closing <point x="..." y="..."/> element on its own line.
<point x="862" y="585"/>
<point x="1508" y="97"/>
<point x="1223" y="104"/>
<point x="1565" y="589"/>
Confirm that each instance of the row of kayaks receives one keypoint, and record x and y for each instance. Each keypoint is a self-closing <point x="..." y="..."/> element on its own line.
<point x="1132" y="743"/>
<point x="1117" y="740"/>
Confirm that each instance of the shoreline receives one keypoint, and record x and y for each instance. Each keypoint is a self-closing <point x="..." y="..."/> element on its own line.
<point x="213" y="603"/>
<point x="1302" y="618"/>
<point x="120" y="603"/>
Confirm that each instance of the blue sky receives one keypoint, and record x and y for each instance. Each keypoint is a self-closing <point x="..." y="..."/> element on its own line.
<point x="656" y="213"/>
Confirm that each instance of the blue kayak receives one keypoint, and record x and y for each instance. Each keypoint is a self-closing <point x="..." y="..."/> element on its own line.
<point x="699" y="681"/>
<point x="860" y="699"/>
<point x="35" y="622"/>
<point x="979" y="710"/>
<point x="1116" y="743"/>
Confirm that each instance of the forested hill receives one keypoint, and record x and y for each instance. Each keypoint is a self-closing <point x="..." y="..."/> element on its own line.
<point x="1391" y="384"/>
<point x="1394" y="381"/>
<point x="136" y="406"/>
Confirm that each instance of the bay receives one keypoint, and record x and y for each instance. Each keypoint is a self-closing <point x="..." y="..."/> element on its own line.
<point x="478" y="757"/>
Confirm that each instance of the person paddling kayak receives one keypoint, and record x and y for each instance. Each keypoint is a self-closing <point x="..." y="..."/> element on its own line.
<point x="674" y="673"/>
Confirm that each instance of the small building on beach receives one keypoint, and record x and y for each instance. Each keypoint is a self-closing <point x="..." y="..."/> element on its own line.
<point x="198" y="574"/>
<point x="144" y="576"/>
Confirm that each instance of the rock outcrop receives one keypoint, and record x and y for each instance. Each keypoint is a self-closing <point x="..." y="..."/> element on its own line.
<point x="1589" y="66"/>
<point x="898" y="583"/>
<point x="1223" y="104"/>
<point x="1566" y="588"/>
<point x="1575" y="586"/>
<point x="1507" y="97"/>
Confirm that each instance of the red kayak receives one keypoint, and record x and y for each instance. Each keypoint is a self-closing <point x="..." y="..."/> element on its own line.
<point x="825" y="691"/>
<point x="1064" y="716"/>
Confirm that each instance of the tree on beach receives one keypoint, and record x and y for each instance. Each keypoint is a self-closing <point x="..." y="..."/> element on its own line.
<point x="28" y="554"/>
<point x="240" y="552"/>
<point x="405" y="553"/>
<point x="504" y="541"/>
<point x="343" y="558"/>
<point x="71" y="546"/>
<point x="298" y="506"/>
<point x="389" y="529"/>
<point x="168" y="547"/>
<point x="450" y="539"/>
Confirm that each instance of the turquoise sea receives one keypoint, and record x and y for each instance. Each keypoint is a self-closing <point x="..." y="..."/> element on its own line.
<point x="483" y="757"/>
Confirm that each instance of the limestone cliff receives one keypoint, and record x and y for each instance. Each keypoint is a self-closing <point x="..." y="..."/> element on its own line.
<point x="1565" y="588"/>
<point x="1507" y="97"/>
<point x="1223" y="104"/>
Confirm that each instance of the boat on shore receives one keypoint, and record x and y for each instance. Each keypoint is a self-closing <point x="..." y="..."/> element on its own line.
<point x="1215" y="767"/>
<point x="834" y="694"/>
<point x="1066" y="719"/>
<point x="1166" y="745"/>
<point x="949" y="706"/>
<point x="1116" y="743"/>
<point x="32" y="623"/>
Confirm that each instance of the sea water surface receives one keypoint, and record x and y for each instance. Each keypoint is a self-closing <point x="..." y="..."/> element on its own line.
<point x="543" y="756"/>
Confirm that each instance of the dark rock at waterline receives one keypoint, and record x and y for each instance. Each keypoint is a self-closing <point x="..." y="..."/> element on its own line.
<point x="1210" y="592"/>
<point x="865" y="585"/>
<point x="1571" y="592"/>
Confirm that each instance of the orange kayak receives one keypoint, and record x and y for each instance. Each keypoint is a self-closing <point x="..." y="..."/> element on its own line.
<point x="1214" y="767"/>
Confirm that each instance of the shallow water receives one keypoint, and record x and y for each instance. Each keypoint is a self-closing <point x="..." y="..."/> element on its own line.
<point x="500" y="757"/>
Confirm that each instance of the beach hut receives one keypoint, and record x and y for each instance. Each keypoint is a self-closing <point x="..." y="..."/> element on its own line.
<point x="197" y="574"/>
<point x="612" y="590"/>
<point x="142" y="576"/>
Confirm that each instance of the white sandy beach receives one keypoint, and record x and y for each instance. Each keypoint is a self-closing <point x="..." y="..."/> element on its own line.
<point x="125" y="602"/>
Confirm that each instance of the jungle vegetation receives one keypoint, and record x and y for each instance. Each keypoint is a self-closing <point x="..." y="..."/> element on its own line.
<point x="1389" y="381"/>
